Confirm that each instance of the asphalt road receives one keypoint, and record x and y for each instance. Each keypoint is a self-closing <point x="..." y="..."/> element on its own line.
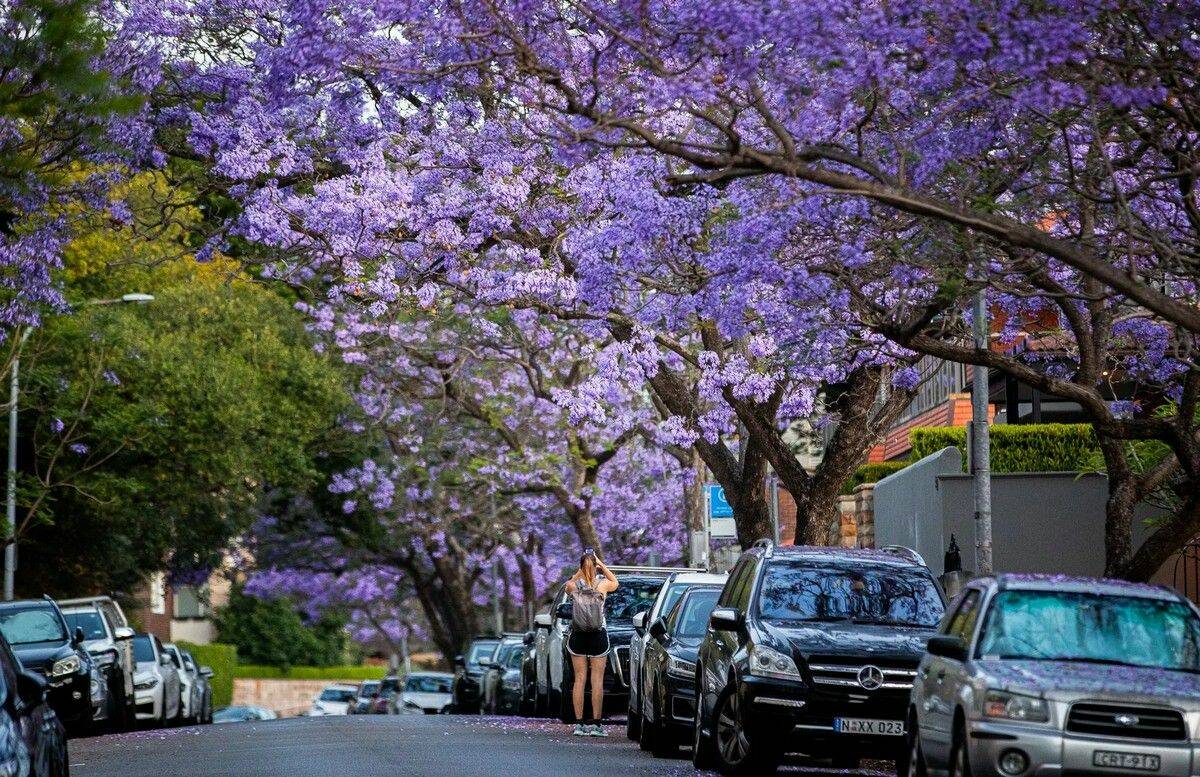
<point x="400" y="745"/>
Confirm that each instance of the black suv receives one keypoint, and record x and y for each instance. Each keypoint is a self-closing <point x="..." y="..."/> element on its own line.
<point x="45" y="644"/>
<point x="469" y="670"/>
<point x="812" y="650"/>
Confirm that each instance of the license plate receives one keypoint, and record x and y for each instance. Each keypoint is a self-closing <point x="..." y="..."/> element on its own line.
<point x="889" y="728"/>
<point x="1143" y="762"/>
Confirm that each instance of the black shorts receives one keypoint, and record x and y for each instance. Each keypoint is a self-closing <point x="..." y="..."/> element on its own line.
<point x="592" y="644"/>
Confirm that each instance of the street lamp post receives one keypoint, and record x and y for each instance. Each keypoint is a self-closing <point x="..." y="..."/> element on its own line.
<point x="14" y="394"/>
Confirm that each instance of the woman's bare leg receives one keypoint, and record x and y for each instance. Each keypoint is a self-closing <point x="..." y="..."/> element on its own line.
<point x="579" y="666"/>
<point x="596" y="670"/>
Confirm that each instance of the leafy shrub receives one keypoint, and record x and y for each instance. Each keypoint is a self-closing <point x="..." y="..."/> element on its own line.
<point x="260" y="672"/>
<point x="223" y="661"/>
<point x="272" y="632"/>
<point x="872" y="473"/>
<point x="1018" y="448"/>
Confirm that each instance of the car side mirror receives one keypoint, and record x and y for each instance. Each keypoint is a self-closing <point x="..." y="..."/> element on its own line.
<point x="31" y="689"/>
<point x="460" y="661"/>
<point x="543" y="620"/>
<point x="954" y="648"/>
<point x="529" y="638"/>
<point x="639" y="622"/>
<point x="658" y="630"/>
<point x="726" y="619"/>
<point x="122" y="632"/>
<point x="565" y="611"/>
<point x="78" y="637"/>
<point x="206" y="671"/>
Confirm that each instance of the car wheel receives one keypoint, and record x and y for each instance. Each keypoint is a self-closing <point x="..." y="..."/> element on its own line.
<point x="647" y="734"/>
<point x="960" y="761"/>
<point x="704" y="750"/>
<point x="737" y="755"/>
<point x="910" y="761"/>
<point x="664" y="744"/>
<point x="633" y="726"/>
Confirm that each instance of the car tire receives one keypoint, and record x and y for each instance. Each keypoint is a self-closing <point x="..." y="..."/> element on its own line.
<point x="960" y="761"/>
<point x="737" y="755"/>
<point x="646" y="735"/>
<point x="566" y="709"/>
<point x="553" y="703"/>
<point x="633" y="726"/>
<point x="910" y="761"/>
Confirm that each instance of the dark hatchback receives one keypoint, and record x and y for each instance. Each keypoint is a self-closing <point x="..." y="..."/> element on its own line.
<point x="469" y="669"/>
<point x="669" y="671"/>
<point x="32" y="739"/>
<point x="41" y="639"/>
<point x="812" y="650"/>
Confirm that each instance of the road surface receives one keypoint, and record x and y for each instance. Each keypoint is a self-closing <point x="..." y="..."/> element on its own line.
<point x="399" y="746"/>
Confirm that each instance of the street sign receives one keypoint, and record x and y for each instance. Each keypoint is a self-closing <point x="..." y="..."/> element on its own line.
<point x="720" y="513"/>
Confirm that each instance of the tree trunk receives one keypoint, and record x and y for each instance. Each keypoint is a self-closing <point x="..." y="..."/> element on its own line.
<point x="693" y="504"/>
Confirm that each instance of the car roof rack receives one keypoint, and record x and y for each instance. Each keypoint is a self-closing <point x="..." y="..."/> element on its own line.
<point x="906" y="552"/>
<point x="767" y="544"/>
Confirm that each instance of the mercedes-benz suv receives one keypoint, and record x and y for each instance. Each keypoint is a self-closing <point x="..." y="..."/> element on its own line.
<point x="812" y="650"/>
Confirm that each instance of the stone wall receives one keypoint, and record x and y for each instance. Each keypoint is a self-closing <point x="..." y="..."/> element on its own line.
<point x="288" y="698"/>
<point x="854" y="525"/>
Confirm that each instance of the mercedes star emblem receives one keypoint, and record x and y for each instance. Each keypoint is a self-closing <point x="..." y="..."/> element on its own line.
<point x="870" y="677"/>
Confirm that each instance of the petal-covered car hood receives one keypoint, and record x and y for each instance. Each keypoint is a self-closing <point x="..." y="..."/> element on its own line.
<point x="853" y="639"/>
<point x="1068" y="679"/>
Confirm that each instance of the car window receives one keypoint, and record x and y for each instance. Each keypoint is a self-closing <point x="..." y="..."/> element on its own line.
<point x="732" y="584"/>
<point x="963" y="622"/>
<point x="368" y="689"/>
<point x="30" y="625"/>
<point x="671" y="594"/>
<point x="9" y="666"/>
<point x="741" y="595"/>
<point x="481" y="651"/>
<point x="427" y="684"/>
<point x="337" y="694"/>
<point x="143" y="649"/>
<point x="514" y="658"/>
<point x="692" y="613"/>
<point x="633" y="596"/>
<point x="808" y="590"/>
<point x="88" y="620"/>
<point x="1080" y="626"/>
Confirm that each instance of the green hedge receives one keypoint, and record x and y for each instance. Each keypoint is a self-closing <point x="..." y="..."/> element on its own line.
<point x="872" y="473"/>
<point x="260" y="672"/>
<point x="1018" y="448"/>
<point x="223" y="661"/>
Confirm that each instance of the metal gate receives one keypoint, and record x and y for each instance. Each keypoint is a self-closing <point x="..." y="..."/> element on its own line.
<point x="1187" y="570"/>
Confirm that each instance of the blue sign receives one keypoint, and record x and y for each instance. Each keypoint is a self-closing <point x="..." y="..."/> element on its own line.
<point x="717" y="506"/>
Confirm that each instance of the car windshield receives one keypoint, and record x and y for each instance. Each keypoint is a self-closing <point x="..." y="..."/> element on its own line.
<point x="88" y="620"/>
<point x="143" y="650"/>
<point x="390" y="685"/>
<point x="514" y="658"/>
<point x="693" y="620"/>
<point x="802" y="590"/>
<point x="634" y="595"/>
<point x="1088" y="627"/>
<point x="427" y="684"/>
<point x="481" y="651"/>
<point x="506" y="651"/>
<point x="674" y="591"/>
<point x="337" y="694"/>
<point x="368" y="689"/>
<point x="28" y="625"/>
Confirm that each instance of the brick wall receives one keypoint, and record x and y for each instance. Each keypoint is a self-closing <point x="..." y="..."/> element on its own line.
<point x="288" y="698"/>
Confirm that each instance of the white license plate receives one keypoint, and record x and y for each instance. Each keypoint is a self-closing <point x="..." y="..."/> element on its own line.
<point x="1142" y="762"/>
<point x="889" y="728"/>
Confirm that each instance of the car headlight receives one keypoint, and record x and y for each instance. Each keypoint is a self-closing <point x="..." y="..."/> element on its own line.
<point x="105" y="659"/>
<point x="65" y="666"/>
<point x="1015" y="706"/>
<point x="677" y="667"/>
<point x="145" y="684"/>
<point x="769" y="662"/>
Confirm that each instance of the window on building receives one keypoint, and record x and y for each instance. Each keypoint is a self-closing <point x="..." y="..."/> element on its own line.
<point x="191" y="601"/>
<point x="158" y="594"/>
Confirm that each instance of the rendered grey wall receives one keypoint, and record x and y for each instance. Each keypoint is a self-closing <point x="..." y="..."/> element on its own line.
<point x="908" y="507"/>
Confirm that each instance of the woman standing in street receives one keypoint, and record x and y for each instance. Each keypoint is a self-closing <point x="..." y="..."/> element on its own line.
<point x="588" y="641"/>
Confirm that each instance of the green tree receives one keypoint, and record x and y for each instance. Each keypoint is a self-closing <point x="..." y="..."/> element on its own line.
<point x="273" y="633"/>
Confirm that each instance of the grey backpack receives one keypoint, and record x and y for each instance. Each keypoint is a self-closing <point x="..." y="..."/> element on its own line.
<point x="587" y="611"/>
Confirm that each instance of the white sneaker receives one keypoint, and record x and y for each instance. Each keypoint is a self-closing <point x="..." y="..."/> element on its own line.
<point x="598" y="730"/>
<point x="581" y="730"/>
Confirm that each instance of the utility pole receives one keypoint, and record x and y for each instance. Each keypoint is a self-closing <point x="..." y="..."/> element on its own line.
<point x="981" y="469"/>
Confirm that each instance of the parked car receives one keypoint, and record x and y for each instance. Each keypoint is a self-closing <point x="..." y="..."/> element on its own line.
<point x="366" y="698"/>
<point x="33" y="741"/>
<point x="812" y="650"/>
<point x="40" y="638"/>
<point x="502" y="681"/>
<point x="202" y="676"/>
<point x="108" y="644"/>
<point x="668" y="699"/>
<point x="389" y="691"/>
<point x="672" y="589"/>
<point x="425" y="692"/>
<point x="155" y="682"/>
<point x="528" y="702"/>
<point x="242" y="714"/>
<point x="1033" y="674"/>
<point x="639" y="587"/>
<point x="118" y="639"/>
<point x="468" y="674"/>
<point x="334" y="700"/>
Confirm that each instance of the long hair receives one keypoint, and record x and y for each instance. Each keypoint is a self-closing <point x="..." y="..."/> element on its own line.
<point x="589" y="575"/>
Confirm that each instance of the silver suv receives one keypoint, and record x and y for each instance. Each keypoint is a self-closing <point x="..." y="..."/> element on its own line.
<point x="1054" y="675"/>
